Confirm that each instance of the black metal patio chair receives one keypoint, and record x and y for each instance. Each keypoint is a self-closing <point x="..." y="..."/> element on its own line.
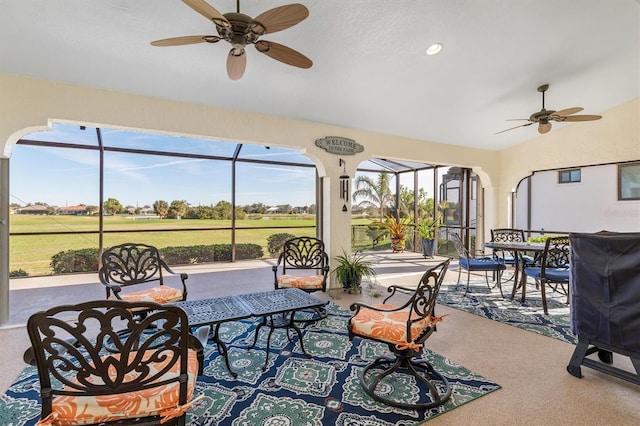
<point x="470" y="263"/>
<point x="553" y="270"/>
<point x="404" y="328"/>
<point x="135" y="272"/>
<point x="90" y="373"/>
<point x="303" y="264"/>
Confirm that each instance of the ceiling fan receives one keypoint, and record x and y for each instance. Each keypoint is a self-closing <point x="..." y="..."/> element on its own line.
<point x="544" y="117"/>
<point x="240" y="30"/>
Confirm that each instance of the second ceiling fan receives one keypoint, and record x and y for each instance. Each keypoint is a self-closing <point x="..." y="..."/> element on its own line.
<point x="239" y="30"/>
<point x="544" y="117"/>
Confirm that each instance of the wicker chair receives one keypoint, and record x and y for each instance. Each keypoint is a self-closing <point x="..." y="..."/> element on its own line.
<point x="130" y="265"/>
<point x="404" y="328"/>
<point x="92" y="374"/>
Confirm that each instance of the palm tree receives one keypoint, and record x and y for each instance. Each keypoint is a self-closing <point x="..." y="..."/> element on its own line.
<point x="376" y="193"/>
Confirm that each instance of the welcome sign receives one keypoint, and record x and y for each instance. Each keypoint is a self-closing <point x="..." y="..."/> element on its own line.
<point x="339" y="145"/>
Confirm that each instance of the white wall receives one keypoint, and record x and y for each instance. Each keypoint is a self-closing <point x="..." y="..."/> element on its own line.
<point x="590" y="205"/>
<point x="615" y="138"/>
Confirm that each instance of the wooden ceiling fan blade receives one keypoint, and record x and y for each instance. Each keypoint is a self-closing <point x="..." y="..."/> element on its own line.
<point x="208" y="11"/>
<point x="544" y="128"/>
<point x="278" y="19"/>
<point x="516" y="127"/>
<point x="283" y="54"/>
<point x="236" y="63"/>
<point x="584" y="117"/>
<point x="567" y="111"/>
<point x="179" y="41"/>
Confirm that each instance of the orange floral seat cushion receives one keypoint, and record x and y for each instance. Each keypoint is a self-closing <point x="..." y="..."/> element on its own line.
<point x="81" y="410"/>
<point x="158" y="294"/>
<point x="389" y="327"/>
<point x="303" y="282"/>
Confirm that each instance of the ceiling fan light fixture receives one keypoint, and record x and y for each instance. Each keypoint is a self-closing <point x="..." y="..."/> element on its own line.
<point x="434" y="49"/>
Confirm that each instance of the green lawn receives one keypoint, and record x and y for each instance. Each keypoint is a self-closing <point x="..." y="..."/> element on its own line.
<point x="32" y="253"/>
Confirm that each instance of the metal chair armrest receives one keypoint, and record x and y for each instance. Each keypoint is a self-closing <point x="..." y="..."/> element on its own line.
<point x="356" y="306"/>
<point x="397" y="288"/>
<point x="183" y="277"/>
<point x="114" y="288"/>
<point x="275" y="268"/>
<point x="195" y="344"/>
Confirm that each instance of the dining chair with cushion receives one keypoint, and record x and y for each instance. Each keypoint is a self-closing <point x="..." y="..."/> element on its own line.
<point x="508" y="235"/>
<point x="90" y="373"/>
<point x="130" y="266"/>
<point x="304" y="264"/>
<point x="471" y="263"/>
<point x="553" y="269"/>
<point x="404" y="328"/>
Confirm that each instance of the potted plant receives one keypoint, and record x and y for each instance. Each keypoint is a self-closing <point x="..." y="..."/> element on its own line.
<point x="397" y="230"/>
<point x="427" y="230"/>
<point x="351" y="269"/>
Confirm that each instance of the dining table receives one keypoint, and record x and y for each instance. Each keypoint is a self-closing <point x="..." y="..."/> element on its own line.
<point x="518" y="248"/>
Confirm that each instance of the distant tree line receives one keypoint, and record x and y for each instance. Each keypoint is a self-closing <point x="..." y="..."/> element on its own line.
<point x="182" y="209"/>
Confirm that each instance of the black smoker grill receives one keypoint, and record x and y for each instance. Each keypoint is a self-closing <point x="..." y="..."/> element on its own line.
<point x="605" y="301"/>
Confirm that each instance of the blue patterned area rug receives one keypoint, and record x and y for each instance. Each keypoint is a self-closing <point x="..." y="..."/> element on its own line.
<point x="488" y="303"/>
<point x="294" y="390"/>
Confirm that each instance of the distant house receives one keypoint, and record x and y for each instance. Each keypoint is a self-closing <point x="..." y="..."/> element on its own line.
<point x="275" y="210"/>
<point x="144" y="211"/>
<point x="72" y="210"/>
<point x="35" y="209"/>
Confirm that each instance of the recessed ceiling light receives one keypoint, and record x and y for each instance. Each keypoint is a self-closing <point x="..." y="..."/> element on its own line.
<point x="434" y="49"/>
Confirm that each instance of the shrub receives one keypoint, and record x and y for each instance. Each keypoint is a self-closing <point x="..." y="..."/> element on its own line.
<point x="86" y="260"/>
<point x="276" y="241"/>
<point x="83" y="260"/>
<point x="18" y="273"/>
<point x="248" y="251"/>
<point x="209" y="253"/>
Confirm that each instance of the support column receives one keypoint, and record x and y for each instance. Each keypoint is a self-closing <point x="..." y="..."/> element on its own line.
<point x="336" y="223"/>
<point x="4" y="240"/>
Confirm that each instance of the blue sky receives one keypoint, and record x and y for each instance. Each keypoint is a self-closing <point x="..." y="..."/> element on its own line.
<point x="65" y="177"/>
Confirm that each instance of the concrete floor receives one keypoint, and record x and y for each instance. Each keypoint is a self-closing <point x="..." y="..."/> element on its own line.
<point x="536" y="389"/>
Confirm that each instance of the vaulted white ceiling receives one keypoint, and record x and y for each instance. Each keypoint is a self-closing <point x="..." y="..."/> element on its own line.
<point x="370" y="70"/>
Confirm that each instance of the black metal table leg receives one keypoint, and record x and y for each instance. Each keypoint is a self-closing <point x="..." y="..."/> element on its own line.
<point x="255" y="336"/>
<point x="222" y="349"/>
<point x="285" y="320"/>
<point x="293" y="325"/>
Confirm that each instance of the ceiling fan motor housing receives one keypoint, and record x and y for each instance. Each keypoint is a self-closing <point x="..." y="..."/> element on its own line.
<point x="541" y="116"/>
<point x="238" y="35"/>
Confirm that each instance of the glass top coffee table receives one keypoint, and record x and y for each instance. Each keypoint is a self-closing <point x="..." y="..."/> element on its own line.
<point x="276" y="307"/>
